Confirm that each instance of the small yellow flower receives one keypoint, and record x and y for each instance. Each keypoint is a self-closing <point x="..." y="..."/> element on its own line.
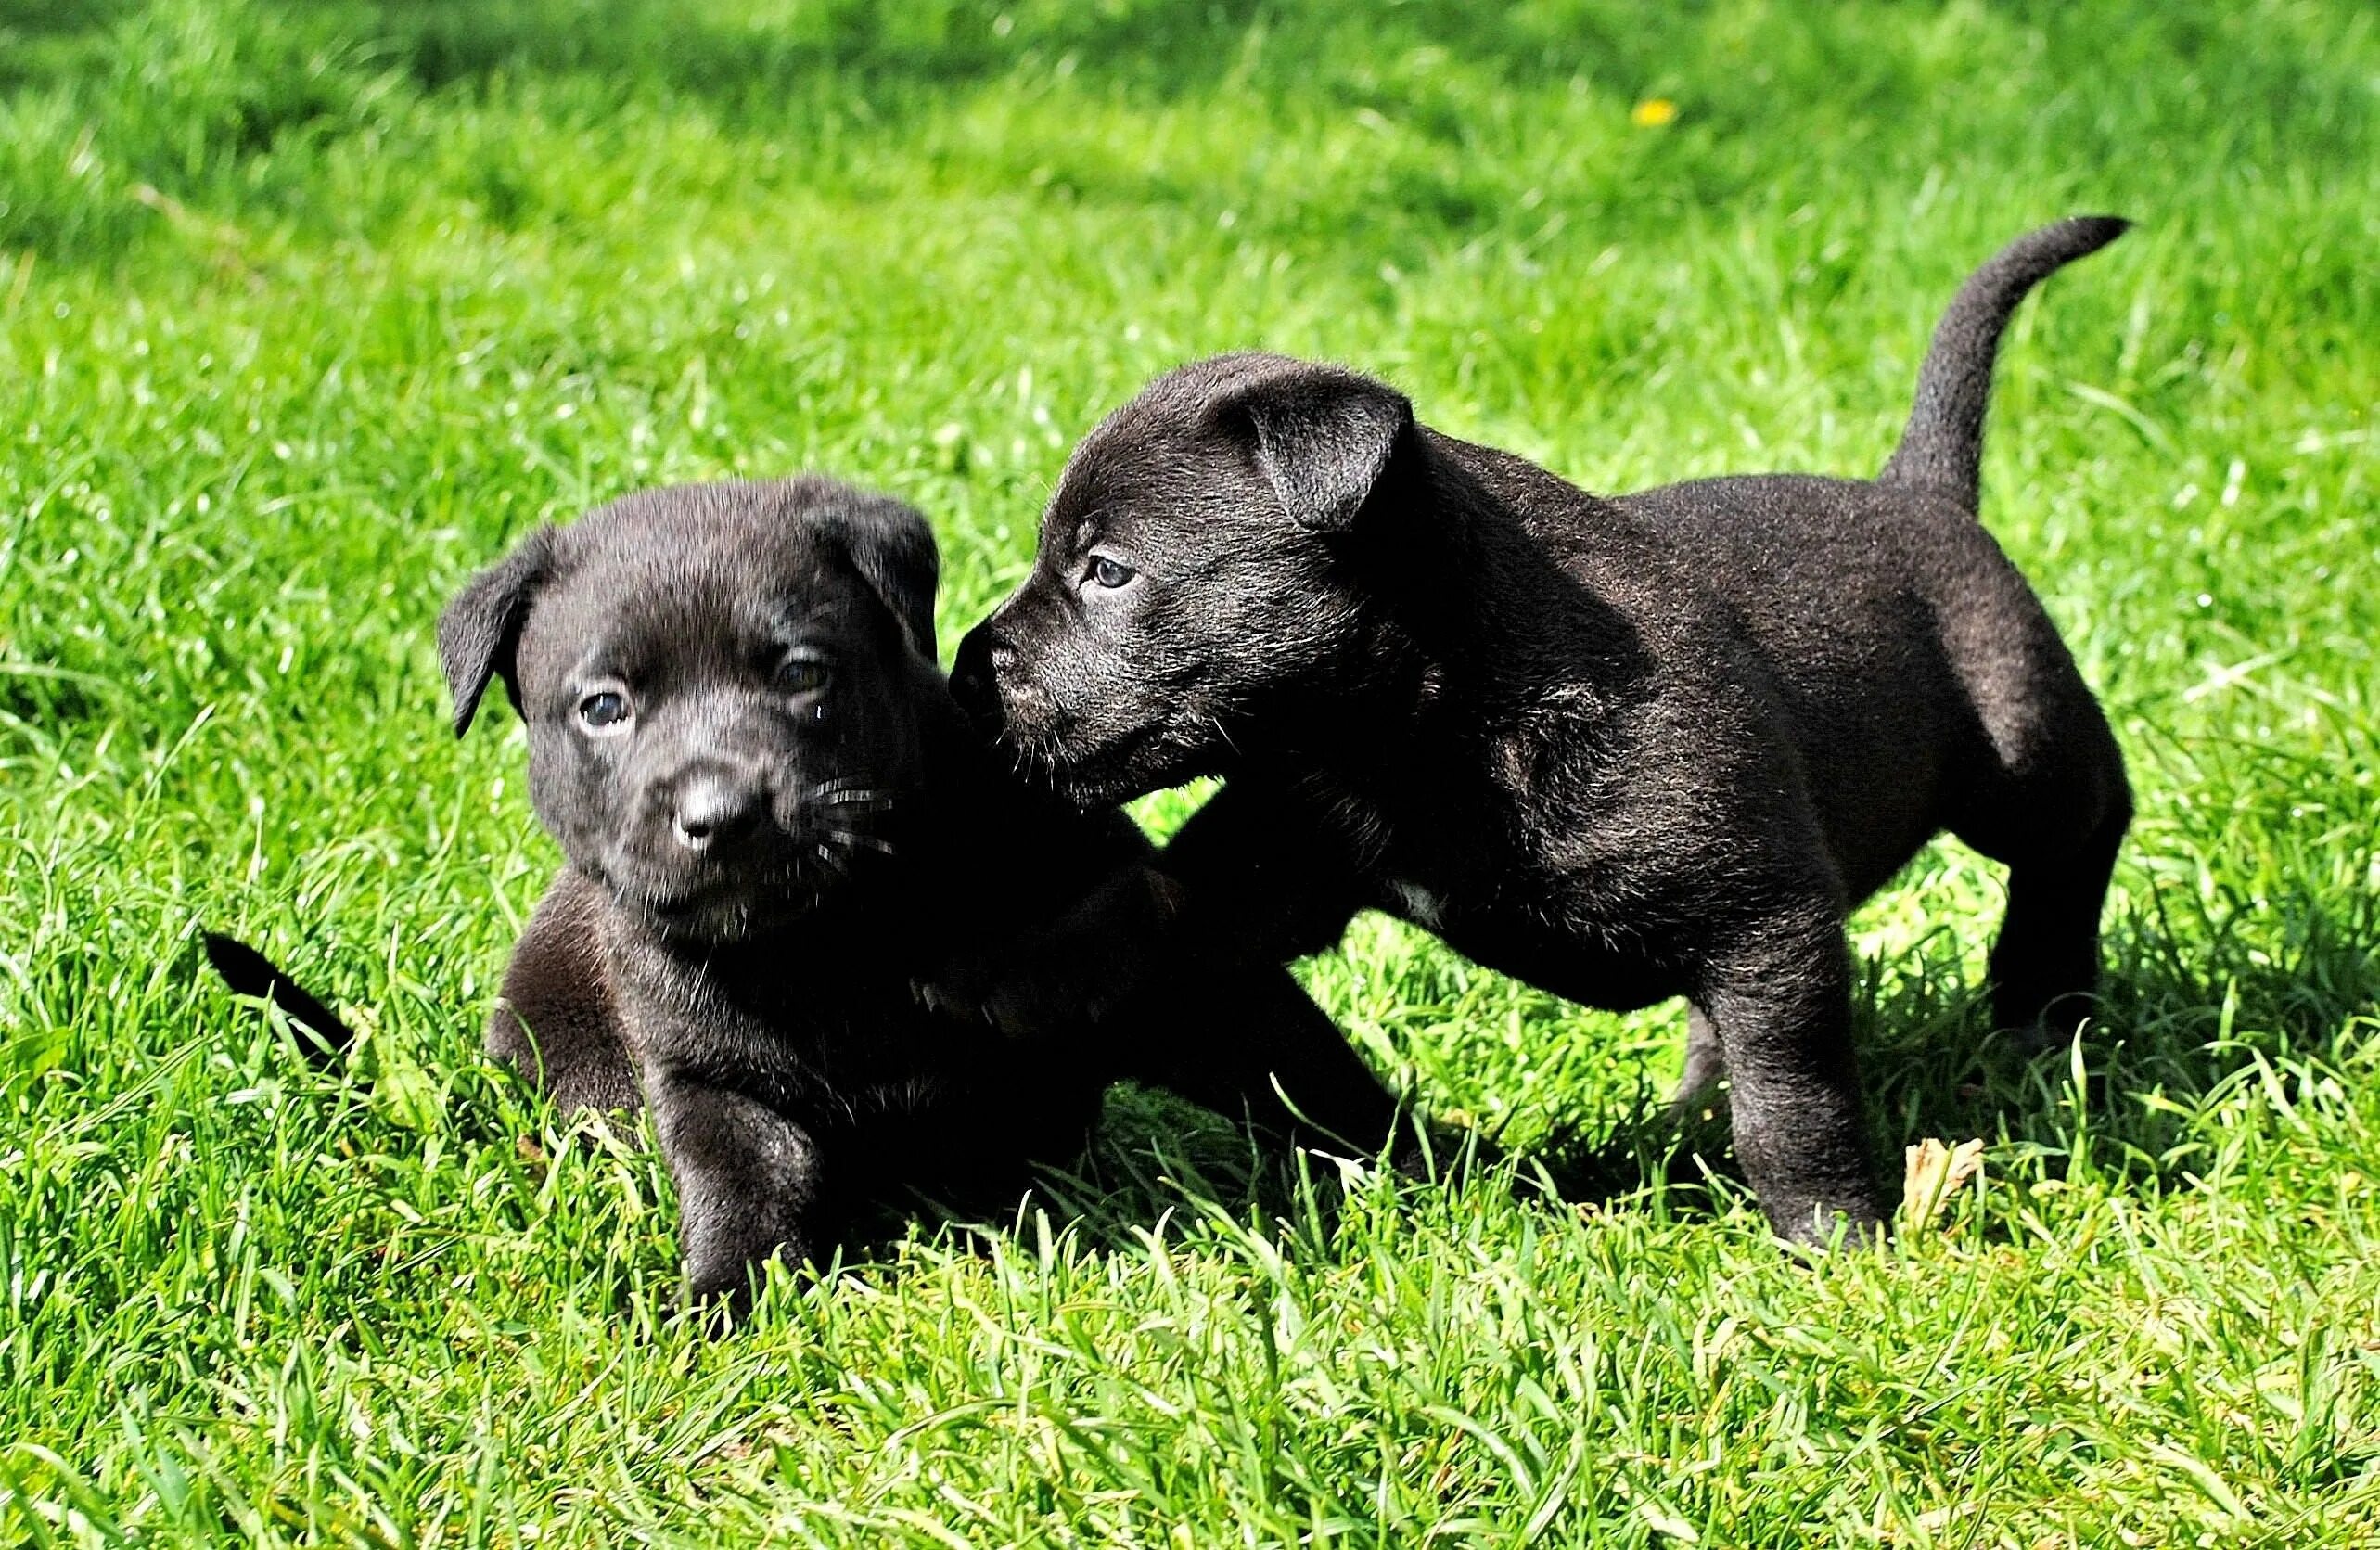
<point x="1653" y="112"/>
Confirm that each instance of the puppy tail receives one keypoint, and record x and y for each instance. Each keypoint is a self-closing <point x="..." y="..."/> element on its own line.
<point x="248" y="972"/>
<point x="1942" y="448"/>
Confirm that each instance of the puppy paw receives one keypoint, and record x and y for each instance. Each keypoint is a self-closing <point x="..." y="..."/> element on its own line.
<point x="1812" y="1229"/>
<point x="982" y="991"/>
<point x="957" y="992"/>
<point x="1036" y="991"/>
<point x="1069" y="975"/>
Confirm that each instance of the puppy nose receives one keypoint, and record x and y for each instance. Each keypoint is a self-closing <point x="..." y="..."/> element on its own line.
<point x="974" y="672"/>
<point x="710" y="806"/>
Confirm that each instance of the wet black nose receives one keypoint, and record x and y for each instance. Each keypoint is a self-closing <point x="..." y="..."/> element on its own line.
<point x="975" y="674"/>
<point x="711" y="805"/>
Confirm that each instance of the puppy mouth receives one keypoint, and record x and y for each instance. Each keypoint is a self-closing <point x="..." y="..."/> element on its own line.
<point x="1093" y="774"/>
<point x="724" y="905"/>
<point x="1045" y="738"/>
<point x="834" y="834"/>
<point x="718" y="913"/>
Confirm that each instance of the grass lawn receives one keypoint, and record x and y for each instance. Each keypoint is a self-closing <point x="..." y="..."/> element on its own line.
<point x="308" y="306"/>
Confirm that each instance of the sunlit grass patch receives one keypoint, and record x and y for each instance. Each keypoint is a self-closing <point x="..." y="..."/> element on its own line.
<point x="305" y="310"/>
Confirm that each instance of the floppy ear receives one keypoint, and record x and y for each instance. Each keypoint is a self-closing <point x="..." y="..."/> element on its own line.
<point x="1323" y="438"/>
<point x="480" y="629"/>
<point x="893" y="550"/>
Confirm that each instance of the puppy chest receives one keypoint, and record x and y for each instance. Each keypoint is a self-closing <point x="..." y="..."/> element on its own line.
<point x="1530" y="935"/>
<point x="1416" y="904"/>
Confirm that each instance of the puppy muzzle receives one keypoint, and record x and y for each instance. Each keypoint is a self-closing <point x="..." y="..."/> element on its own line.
<point x="719" y="850"/>
<point x="976" y="674"/>
<point x="715" y="807"/>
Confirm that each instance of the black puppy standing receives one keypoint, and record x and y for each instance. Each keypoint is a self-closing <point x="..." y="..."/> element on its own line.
<point x="775" y="822"/>
<point x="1623" y="749"/>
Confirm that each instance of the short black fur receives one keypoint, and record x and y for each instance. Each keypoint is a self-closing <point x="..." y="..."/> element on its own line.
<point x="250" y="972"/>
<point x="1624" y="749"/>
<point x="785" y="828"/>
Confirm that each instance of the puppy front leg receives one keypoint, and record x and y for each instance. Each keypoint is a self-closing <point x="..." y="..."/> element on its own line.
<point x="1072" y="972"/>
<point x="747" y="1182"/>
<point x="1263" y="878"/>
<point x="1247" y="881"/>
<point x="1780" y="1003"/>
<point x="1246" y="1039"/>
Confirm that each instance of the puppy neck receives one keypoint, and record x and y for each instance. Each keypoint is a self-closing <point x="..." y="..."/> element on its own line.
<point x="1479" y="616"/>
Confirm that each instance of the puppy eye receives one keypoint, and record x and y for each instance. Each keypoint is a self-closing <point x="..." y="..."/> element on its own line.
<point x="803" y="675"/>
<point x="1110" y="574"/>
<point x="603" y="708"/>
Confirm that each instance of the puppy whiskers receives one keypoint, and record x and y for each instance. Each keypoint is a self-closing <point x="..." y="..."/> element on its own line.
<point x="841" y="794"/>
<point x="865" y="841"/>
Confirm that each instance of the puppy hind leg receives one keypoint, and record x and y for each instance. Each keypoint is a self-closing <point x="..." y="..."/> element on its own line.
<point x="1706" y="1065"/>
<point x="2044" y="795"/>
<point x="572" y="1052"/>
<point x="2056" y="827"/>
<point x="2045" y="964"/>
<point x="557" y="1024"/>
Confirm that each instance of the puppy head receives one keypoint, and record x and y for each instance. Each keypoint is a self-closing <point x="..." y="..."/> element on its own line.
<point x="1191" y="587"/>
<point x="725" y="688"/>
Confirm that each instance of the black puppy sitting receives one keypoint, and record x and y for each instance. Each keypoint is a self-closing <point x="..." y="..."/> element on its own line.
<point x="775" y="822"/>
<point x="1623" y="749"/>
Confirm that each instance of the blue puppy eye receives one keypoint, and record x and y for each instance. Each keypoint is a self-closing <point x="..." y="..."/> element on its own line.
<point x="1110" y="574"/>
<point x="606" y="707"/>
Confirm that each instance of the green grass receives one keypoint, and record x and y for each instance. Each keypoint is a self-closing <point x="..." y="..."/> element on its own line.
<point x="305" y="307"/>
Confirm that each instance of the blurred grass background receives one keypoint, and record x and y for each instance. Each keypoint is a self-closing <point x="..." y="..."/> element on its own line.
<point x="306" y="309"/>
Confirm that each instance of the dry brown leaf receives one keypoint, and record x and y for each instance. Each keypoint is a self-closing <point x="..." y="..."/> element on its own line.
<point x="1936" y="1172"/>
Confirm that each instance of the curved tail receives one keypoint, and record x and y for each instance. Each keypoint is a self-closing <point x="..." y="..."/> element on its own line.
<point x="1942" y="448"/>
<point x="248" y="972"/>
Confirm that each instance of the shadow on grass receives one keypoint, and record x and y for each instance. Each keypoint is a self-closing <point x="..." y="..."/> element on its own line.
<point x="2180" y="1023"/>
<point x="1161" y="48"/>
<point x="230" y="110"/>
<point x="66" y="19"/>
<point x="2188" y="1008"/>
